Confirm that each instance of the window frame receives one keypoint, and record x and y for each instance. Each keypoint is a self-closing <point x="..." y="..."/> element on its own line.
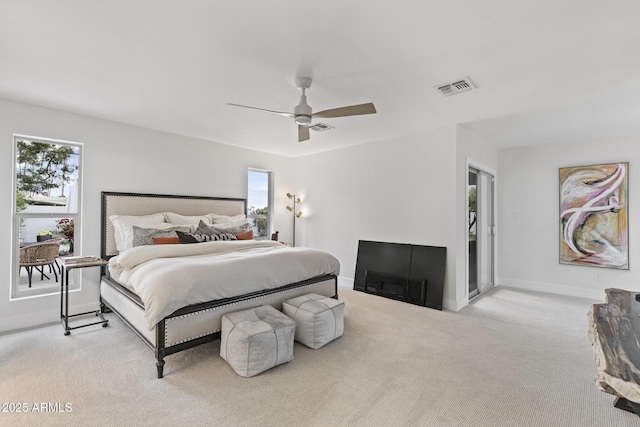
<point x="75" y="279"/>
<point x="269" y="215"/>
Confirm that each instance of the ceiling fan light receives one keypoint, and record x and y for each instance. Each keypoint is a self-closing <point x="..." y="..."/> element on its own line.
<point x="303" y="120"/>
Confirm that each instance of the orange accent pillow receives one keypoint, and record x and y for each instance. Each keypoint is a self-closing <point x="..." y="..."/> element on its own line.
<point x="171" y="240"/>
<point x="247" y="235"/>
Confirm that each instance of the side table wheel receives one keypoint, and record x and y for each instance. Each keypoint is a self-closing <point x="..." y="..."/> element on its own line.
<point x="67" y="333"/>
<point x="104" y="325"/>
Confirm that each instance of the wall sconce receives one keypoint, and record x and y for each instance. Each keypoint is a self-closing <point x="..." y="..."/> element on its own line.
<point x="296" y="212"/>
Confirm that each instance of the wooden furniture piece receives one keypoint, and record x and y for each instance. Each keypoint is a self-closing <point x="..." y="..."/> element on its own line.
<point x="196" y="324"/>
<point x="615" y="333"/>
<point x="72" y="263"/>
<point x="39" y="255"/>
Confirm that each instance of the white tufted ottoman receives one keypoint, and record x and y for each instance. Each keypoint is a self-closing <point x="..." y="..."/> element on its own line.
<point x="255" y="340"/>
<point x="319" y="319"/>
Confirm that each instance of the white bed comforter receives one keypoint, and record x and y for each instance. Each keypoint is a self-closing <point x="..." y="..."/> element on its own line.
<point x="169" y="277"/>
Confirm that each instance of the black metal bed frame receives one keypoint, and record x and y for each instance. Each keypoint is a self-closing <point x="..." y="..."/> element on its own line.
<point x="160" y="349"/>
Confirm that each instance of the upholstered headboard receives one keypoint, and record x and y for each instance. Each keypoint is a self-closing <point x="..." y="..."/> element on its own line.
<point x="146" y="204"/>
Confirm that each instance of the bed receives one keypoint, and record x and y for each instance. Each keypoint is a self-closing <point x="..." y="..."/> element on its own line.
<point x="262" y="272"/>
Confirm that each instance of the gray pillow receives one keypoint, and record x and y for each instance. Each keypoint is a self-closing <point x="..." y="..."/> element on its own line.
<point x="144" y="236"/>
<point x="210" y="230"/>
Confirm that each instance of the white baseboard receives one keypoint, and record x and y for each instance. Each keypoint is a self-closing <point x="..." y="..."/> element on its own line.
<point x="552" y="288"/>
<point x="345" y="282"/>
<point x="41" y="318"/>
<point x="453" y="305"/>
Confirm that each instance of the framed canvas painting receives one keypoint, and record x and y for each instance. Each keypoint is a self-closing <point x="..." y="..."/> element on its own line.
<point x="594" y="215"/>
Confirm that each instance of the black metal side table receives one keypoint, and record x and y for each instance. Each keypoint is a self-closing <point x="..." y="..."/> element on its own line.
<point x="71" y="263"/>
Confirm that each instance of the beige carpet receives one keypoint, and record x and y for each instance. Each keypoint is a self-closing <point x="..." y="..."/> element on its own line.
<point x="511" y="358"/>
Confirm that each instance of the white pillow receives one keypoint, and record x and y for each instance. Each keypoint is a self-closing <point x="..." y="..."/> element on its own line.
<point x="123" y="227"/>
<point x="225" y="219"/>
<point x="229" y="224"/>
<point x="178" y="219"/>
<point x="233" y="227"/>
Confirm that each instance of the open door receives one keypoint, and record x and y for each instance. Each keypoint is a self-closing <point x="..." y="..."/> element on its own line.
<point x="481" y="230"/>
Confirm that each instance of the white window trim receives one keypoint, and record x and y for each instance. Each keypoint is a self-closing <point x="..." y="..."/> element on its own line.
<point x="76" y="279"/>
<point x="269" y="201"/>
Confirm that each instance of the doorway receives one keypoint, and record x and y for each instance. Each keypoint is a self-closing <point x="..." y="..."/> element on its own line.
<point x="481" y="231"/>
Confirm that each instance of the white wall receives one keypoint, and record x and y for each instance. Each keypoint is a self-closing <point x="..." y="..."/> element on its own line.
<point x="119" y="157"/>
<point x="408" y="190"/>
<point x="397" y="190"/>
<point x="470" y="151"/>
<point x="529" y="223"/>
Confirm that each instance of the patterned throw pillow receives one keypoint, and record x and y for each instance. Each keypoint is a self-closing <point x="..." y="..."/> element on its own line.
<point x="144" y="236"/>
<point x="232" y="228"/>
<point x="200" y="238"/>
<point x="223" y="236"/>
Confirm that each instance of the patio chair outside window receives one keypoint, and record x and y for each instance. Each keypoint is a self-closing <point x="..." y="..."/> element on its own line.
<point x="38" y="256"/>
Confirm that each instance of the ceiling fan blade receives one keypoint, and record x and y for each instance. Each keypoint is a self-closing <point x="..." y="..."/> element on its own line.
<point x="353" y="110"/>
<point x="262" y="109"/>
<point x="303" y="133"/>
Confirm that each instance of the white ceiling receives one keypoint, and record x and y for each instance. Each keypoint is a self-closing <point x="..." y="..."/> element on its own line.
<point x="545" y="70"/>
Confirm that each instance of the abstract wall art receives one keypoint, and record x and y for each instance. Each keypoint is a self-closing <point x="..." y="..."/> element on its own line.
<point x="594" y="216"/>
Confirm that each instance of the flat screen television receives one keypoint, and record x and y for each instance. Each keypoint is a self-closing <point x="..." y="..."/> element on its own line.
<point x="405" y="272"/>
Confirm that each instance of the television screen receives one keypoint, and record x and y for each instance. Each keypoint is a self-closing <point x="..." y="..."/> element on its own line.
<point x="378" y="257"/>
<point x="410" y="273"/>
<point x="429" y="263"/>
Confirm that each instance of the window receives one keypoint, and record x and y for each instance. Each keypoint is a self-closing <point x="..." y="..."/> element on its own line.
<point x="259" y="203"/>
<point x="46" y="211"/>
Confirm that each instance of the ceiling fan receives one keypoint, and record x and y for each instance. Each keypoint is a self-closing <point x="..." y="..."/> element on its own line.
<point x="302" y="113"/>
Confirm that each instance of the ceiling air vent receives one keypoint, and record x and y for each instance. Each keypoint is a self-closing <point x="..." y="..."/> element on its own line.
<point x="455" y="87"/>
<point x="319" y="127"/>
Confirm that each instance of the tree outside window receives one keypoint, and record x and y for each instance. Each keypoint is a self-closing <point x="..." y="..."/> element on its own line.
<point x="44" y="169"/>
<point x="46" y="204"/>
<point x="258" y="200"/>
